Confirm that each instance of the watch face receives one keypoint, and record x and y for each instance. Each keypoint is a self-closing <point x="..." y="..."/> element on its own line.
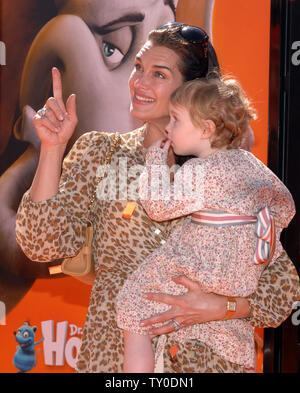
<point x="231" y="306"/>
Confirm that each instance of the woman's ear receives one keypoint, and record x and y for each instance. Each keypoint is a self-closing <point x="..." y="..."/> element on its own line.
<point x="209" y="128"/>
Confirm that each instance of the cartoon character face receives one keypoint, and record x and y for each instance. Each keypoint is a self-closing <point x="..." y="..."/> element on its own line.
<point x="25" y="335"/>
<point x="94" y="45"/>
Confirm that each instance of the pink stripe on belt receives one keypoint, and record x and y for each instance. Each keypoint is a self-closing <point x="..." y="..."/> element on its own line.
<point x="264" y="228"/>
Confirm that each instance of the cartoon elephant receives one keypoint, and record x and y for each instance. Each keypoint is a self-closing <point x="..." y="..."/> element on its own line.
<point x="93" y="43"/>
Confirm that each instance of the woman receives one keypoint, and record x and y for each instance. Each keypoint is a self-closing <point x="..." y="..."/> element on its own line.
<point x="53" y="213"/>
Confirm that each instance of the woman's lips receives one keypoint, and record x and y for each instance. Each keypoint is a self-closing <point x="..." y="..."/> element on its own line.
<point x="142" y="99"/>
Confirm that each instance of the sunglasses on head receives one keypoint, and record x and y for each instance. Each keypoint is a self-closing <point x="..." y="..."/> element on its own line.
<point x="192" y="34"/>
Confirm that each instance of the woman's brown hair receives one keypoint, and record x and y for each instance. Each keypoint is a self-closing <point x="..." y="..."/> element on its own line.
<point x="196" y="60"/>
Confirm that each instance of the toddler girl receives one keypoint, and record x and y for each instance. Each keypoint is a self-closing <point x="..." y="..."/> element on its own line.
<point x="235" y="210"/>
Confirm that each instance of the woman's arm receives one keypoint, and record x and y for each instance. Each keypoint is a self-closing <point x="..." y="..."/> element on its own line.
<point x="46" y="180"/>
<point x="54" y="228"/>
<point x="52" y="215"/>
<point x="269" y="306"/>
<point x="278" y="289"/>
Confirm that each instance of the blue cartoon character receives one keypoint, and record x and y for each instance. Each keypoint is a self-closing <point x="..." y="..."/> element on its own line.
<point x="25" y="358"/>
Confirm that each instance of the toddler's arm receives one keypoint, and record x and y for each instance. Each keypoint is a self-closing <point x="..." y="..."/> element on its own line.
<point x="282" y="205"/>
<point x="164" y="200"/>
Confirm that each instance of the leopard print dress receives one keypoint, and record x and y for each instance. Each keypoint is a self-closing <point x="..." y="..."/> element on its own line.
<point x="54" y="229"/>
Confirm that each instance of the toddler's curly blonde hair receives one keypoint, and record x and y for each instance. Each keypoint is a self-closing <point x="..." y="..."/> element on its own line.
<point x="222" y="100"/>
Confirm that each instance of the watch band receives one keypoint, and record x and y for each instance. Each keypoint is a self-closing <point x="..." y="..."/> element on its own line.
<point x="230" y="307"/>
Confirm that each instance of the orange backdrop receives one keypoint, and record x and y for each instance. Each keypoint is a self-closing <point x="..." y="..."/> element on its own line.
<point x="241" y="39"/>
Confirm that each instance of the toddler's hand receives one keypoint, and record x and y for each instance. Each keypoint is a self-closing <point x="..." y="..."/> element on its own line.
<point x="162" y="143"/>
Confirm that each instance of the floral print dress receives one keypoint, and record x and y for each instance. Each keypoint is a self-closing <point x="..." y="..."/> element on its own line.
<point x="219" y="257"/>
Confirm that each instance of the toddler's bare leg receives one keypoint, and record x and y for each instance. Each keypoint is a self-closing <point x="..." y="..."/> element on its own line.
<point x="138" y="353"/>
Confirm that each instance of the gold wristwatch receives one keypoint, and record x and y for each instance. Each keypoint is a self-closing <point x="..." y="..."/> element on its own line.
<point x="230" y="307"/>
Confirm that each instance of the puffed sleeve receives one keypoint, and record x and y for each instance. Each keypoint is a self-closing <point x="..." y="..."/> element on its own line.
<point x="278" y="289"/>
<point x="282" y="205"/>
<point x="54" y="228"/>
<point x="273" y="192"/>
<point x="164" y="200"/>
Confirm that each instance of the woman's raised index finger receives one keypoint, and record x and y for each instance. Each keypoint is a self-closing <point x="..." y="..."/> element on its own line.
<point x="57" y="88"/>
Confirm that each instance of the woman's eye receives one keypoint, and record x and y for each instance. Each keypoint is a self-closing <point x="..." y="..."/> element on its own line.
<point x="138" y="67"/>
<point x="160" y="75"/>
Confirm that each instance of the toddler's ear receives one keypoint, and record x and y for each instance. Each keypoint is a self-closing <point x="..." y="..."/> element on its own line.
<point x="209" y="128"/>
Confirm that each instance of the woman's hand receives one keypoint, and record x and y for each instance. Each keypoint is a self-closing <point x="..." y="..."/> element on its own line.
<point x="57" y="125"/>
<point x="193" y="307"/>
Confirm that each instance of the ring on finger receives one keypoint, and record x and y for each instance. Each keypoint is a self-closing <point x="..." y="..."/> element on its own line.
<point x="176" y="324"/>
<point x="42" y="112"/>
